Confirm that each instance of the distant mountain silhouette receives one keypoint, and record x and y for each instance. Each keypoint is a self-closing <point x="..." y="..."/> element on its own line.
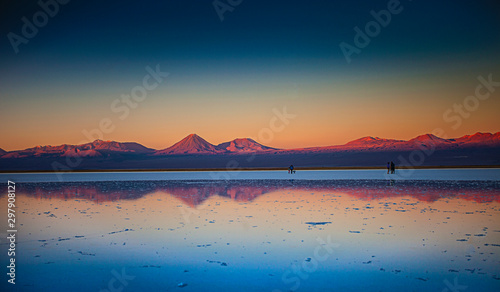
<point x="195" y="152"/>
<point x="192" y="144"/>
<point x="243" y="145"/>
<point x="479" y="139"/>
<point x="94" y="149"/>
<point x="375" y="144"/>
<point x="430" y="140"/>
<point x="372" y="142"/>
<point x="2" y="151"/>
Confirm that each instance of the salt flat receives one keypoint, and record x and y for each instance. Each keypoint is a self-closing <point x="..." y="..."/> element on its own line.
<point x="258" y="235"/>
<point x="402" y="174"/>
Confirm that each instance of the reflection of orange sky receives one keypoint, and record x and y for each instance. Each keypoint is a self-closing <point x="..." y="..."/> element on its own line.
<point x="194" y="194"/>
<point x="260" y="224"/>
<point x="347" y="205"/>
<point x="159" y="217"/>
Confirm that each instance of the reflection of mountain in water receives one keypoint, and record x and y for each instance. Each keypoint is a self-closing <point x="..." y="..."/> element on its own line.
<point x="193" y="193"/>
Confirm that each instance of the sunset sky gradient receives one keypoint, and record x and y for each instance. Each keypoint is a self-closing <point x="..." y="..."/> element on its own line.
<point x="226" y="77"/>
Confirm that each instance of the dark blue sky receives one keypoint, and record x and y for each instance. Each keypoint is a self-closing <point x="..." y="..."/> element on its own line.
<point x="114" y="31"/>
<point x="93" y="50"/>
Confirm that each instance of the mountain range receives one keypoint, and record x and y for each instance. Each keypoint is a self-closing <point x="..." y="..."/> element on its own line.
<point x="98" y="148"/>
<point x="194" y="144"/>
<point x="195" y="152"/>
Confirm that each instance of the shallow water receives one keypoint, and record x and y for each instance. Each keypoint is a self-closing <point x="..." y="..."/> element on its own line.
<point x="258" y="235"/>
<point x="371" y="174"/>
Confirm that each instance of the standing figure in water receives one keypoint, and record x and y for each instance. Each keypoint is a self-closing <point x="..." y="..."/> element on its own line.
<point x="393" y="168"/>
<point x="388" y="167"/>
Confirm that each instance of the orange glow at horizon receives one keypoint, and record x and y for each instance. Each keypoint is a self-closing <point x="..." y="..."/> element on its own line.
<point x="325" y="114"/>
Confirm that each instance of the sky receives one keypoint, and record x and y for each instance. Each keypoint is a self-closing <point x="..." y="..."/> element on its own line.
<point x="275" y="71"/>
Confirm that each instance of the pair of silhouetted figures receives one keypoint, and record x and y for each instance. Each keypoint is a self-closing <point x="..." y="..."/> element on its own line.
<point x="391" y="167"/>
<point x="290" y="169"/>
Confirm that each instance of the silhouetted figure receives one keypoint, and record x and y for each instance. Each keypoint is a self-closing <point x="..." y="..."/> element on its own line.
<point x="393" y="168"/>
<point x="388" y="167"/>
<point x="290" y="169"/>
